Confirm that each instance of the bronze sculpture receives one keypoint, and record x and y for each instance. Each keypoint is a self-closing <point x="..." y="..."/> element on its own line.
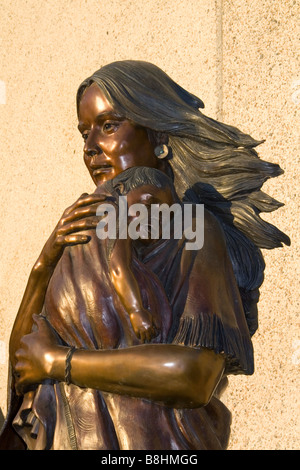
<point x="82" y="377"/>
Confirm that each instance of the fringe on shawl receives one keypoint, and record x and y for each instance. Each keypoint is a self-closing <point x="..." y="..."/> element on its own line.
<point x="208" y="331"/>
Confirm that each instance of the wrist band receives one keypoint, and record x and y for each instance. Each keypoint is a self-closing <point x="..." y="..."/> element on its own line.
<point x="68" y="365"/>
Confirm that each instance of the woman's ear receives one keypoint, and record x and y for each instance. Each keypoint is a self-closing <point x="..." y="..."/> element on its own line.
<point x="163" y="138"/>
<point x="157" y="138"/>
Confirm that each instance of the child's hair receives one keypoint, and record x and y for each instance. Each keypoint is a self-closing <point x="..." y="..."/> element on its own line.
<point x="137" y="176"/>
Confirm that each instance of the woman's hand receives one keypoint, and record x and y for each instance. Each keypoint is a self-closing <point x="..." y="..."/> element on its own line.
<point x="35" y="358"/>
<point x="79" y="217"/>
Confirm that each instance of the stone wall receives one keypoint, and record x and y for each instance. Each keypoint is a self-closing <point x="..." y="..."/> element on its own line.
<point x="241" y="59"/>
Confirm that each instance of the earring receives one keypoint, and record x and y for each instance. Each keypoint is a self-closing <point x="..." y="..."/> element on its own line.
<point x="161" y="151"/>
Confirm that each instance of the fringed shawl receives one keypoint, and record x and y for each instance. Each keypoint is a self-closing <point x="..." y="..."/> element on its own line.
<point x="204" y="296"/>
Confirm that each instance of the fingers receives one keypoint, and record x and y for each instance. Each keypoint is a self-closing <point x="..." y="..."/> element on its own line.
<point x="70" y="240"/>
<point x="81" y="212"/>
<point x="146" y="334"/>
<point x="81" y="216"/>
<point x="44" y="331"/>
<point x="36" y="318"/>
<point x="22" y="382"/>
<point x="66" y="235"/>
<point x="40" y="322"/>
<point x="19" y="371"/>
<point x="85" y="200"/>
<point x="78" y="226"/>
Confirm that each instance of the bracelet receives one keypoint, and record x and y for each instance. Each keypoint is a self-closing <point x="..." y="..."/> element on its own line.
<point x="68" y="365"/>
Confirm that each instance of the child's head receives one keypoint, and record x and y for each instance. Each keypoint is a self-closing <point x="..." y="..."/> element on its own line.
<point x="145" y="186"/>
<point x="148" y="187"/>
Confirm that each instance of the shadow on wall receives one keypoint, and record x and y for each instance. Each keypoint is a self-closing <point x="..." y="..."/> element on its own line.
<point x="1" y="419"/>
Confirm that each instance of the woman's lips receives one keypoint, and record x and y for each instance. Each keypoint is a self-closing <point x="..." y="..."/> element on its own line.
<point x="102" y="169"/>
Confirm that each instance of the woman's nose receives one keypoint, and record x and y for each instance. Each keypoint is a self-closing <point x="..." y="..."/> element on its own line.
<point x="94" y="156"/>
<point x="92" y="146"/>
<point x="92" y="152"/>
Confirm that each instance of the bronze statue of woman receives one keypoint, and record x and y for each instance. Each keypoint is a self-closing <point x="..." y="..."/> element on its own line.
<point x="80" y="377"/>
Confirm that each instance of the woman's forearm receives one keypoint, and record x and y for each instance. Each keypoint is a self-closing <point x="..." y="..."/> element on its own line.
<point x="79" y="217"/>
<point x="32" y="302"/>
<point x="176" y="376"/>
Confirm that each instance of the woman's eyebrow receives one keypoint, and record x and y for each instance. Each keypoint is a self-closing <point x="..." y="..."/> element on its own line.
<point x="108" y="115"/>
<point x="100" y="117"/>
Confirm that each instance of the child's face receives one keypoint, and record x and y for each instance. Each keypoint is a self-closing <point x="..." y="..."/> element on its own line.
<point x="149" y="195"/>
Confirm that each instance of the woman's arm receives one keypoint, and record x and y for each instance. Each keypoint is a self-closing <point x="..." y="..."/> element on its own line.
<point x="176" y="376"/>
<point x="32" y="302"/>
<point x="79" y="216"/>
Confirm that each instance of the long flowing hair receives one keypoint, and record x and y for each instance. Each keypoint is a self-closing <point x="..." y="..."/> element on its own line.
<point x="212" y="163"/>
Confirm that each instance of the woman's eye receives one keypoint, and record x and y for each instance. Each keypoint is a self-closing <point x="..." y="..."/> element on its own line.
<point x="109" y="126"/>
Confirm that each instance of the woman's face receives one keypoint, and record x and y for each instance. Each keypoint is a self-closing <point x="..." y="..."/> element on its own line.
<point x="111" y="143"/>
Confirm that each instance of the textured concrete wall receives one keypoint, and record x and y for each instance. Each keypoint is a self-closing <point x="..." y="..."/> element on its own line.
<point x="261" y="94"/>
<point x="240" y="58"/>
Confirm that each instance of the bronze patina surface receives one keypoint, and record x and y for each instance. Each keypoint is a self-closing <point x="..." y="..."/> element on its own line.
<point x="155" y="329"/>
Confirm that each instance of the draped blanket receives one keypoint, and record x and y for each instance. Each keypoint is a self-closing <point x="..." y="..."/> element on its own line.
<point x="195" y="301"/>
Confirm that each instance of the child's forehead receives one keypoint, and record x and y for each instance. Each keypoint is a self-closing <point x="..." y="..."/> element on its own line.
<point x="150" y="190"/>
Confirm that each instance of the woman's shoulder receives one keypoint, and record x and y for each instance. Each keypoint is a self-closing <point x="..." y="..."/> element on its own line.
<point x="214" y="237"/>
<point x="211" y="223"/>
